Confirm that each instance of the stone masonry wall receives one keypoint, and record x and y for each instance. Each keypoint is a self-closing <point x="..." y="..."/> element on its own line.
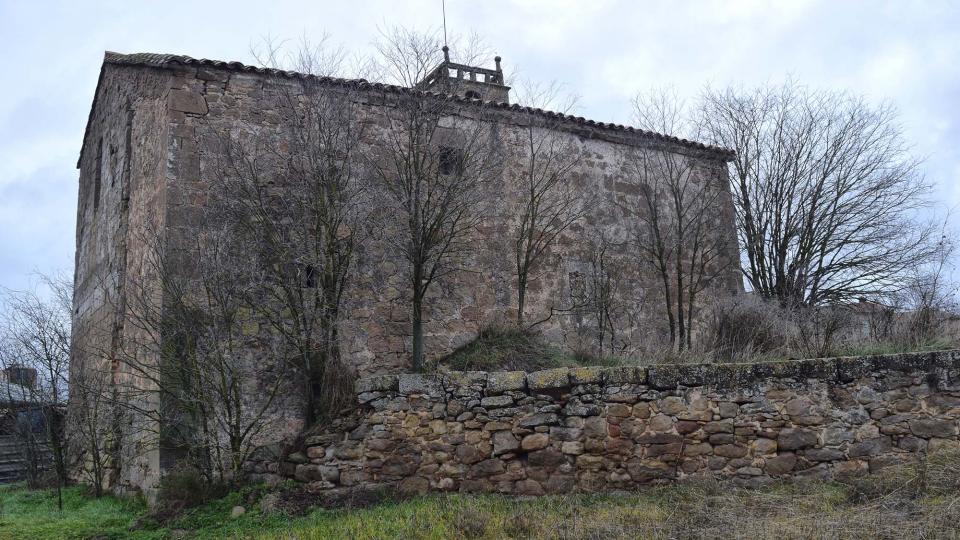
<point x="591" y="429"/>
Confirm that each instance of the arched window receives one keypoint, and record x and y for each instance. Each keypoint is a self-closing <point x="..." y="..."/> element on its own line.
<point x="472" y="94"/>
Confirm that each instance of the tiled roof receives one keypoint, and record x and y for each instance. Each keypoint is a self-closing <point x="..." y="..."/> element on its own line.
<point x="168" y="60"/>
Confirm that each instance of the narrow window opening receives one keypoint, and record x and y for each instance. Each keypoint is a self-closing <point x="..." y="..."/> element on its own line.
<point x="98" y="176"/>
<point x="472" y="94"/>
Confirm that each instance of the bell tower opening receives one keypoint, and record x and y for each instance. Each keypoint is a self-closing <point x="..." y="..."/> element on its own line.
<point x="466" y="81"/>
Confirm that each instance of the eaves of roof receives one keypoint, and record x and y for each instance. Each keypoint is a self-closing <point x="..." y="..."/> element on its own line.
<point x="174" y="60"/>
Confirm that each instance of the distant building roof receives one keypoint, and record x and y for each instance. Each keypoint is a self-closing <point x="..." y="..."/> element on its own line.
<point x="14" y="394"/>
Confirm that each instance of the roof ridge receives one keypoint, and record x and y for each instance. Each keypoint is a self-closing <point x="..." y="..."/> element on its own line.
<point x="164" y="60"/>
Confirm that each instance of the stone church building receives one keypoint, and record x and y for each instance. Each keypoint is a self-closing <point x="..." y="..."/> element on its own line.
<point x="146" y="162"/>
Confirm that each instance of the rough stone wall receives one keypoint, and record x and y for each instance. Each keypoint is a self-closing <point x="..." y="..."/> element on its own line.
<point x="589" y="429"/>
<point x="121" y="197"/>
<point x="214" y="103"/>
<point x="155" y="167"/>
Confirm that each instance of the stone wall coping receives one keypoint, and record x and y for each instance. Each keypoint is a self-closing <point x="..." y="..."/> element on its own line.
<point x="660" y="376"/>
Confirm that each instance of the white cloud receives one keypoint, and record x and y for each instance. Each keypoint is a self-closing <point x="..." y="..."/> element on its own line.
<point x="603" y="50"/>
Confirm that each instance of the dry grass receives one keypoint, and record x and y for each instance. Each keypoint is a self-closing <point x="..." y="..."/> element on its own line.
<point x="918" y="500"/>
<point x="912" y="501"/>
<point x="505" y="348"/>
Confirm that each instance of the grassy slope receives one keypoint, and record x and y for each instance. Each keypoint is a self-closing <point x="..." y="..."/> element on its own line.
<point x="506" y="348"/>
<point x="904" y="502"/>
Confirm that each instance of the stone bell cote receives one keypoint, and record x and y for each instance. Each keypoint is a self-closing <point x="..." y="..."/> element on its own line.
<point x="467" y="81"/>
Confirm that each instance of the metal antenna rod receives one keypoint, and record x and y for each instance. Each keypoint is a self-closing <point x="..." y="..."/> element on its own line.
<point x="443" y="7"/>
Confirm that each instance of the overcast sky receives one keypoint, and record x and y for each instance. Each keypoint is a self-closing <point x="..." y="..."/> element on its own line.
<point x="605" y="51"/>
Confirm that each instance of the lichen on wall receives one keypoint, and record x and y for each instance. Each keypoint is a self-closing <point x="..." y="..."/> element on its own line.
<point x="594" y="429"/>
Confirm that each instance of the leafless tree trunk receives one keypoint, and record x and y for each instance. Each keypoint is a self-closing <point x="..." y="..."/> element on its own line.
<point x="549" y="204"/>
<point x="36" y="336"/>
<point x="675" y="228"/>
<point x="303" y="199"/>
<point x="824" y="190"/>
<point x="198" y="376"/>
<point x="90" y="420"/>
<point x="594" y="293"/>
<point x="929" y="297"/>
<point x="432" y="165"/>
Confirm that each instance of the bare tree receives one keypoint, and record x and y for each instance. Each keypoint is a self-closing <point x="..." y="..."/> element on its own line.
<point x="405" y="56"/>
<point x="432" y="162"/>
<point x="549" y="203"/>
<point x="36" y="337"/>
<point x="302" y="198"/>
<point x="678" y="207"/>
<point x="595" y="293"/>
<point x="929" y="297"/>
<point x="196" y="376"/>
<point x="90" y="417"/>
<point x="825" y="192"/>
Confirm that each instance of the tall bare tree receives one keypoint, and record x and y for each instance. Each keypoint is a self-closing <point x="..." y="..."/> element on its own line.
<point x="195" y="376"/>
<point x="677" y="211"/>
<point x="35" y="336"/>
<point x="825" y="191"/>
<point x="302" y="198"/>
<point x="549" y="202"/>
<point x="432" y="164"/>
<point x="90" y="420"/>
<point x="405" y="56"/>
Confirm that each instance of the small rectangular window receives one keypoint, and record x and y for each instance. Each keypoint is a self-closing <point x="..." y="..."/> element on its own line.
<point x="450" y="161"/>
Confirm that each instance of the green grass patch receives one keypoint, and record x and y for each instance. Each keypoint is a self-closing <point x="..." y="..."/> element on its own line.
<point x="30" y="514"/>
<point x="876" y="506"/>
<point x="914" y="500"/>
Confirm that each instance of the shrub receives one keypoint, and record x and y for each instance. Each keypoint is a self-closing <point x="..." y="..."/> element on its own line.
<point x="184" y="487"/>
<point x="744" y="326"/>
<point x="502" y="347"/>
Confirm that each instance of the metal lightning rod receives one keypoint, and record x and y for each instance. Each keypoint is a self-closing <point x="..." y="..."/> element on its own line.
<point x="443" y="7"/>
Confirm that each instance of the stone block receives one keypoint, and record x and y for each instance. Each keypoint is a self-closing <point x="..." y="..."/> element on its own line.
<point x="796" y="438"/>
<point x="504" y="442"/>
<point x="415" y="383"/>
<point x="528" y="487"/>
<point x="729" y="451"/>
<point x="494" y="402"/>
<point x="586" y="375"/>
<point x="382" y="383"/>
<point x="780" y="464"/>
<point x="933" y="427"/>
<point x="672" y="376"/>
<point x="535" y="441"/>
<point x="574" y="448"/>
<point x="505" y="381"/>
<point x="539" y="419"/>
<point x="549" y="379"/>
<point x="470" y="454"/>
<point x="188" y="102"/>
<point x="624" y="375"/>
<point x="548" y="457"/>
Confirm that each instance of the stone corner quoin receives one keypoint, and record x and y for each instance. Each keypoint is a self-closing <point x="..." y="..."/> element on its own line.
<point x="596" y="428"/>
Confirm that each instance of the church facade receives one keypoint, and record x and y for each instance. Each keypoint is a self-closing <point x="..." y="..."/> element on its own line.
<point x="149" y="156"/>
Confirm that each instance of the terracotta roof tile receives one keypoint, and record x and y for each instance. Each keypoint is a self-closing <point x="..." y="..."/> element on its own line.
<point x="169" y="60"/>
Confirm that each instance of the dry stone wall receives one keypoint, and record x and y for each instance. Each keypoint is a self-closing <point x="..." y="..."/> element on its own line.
<point x="592" y="429"/>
